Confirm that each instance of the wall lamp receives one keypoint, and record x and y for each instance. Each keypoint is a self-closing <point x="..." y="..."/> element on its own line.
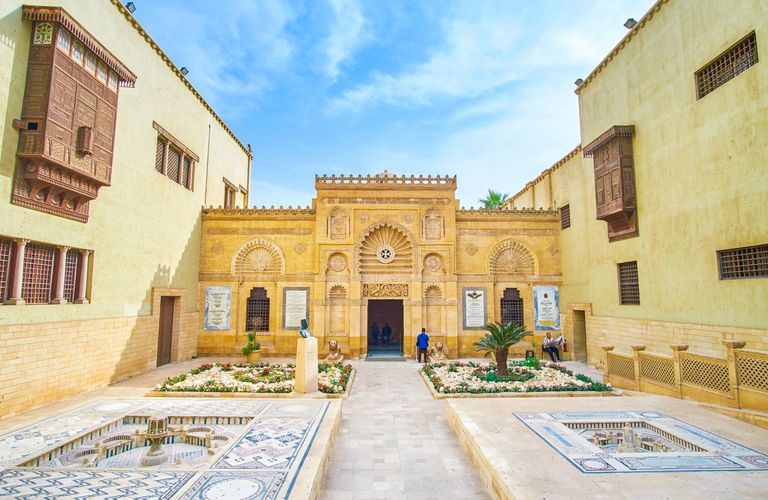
<point x="131" y="7"/>
<point x="578" y="82"/>
<point x="630" y="23"/>
<point x="184" y="70"/>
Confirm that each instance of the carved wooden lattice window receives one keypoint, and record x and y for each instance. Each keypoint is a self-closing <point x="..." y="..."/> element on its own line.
<point x="186" y="172"/>
<point x="257" y="311"/>
<point x="70" y="275"/>
<point x="512" y="307"/>
<point x="629" y="284"/>
<point x="565" y="217"/>
<point x="5" y="262"/>
<point x="38" y="274"/>
<point x="229" y="195"/>
<point x="726" y="66"/>
<point x="159" y="155"/>
<point x="174" y="158"/>
<point x="747" y="262"/>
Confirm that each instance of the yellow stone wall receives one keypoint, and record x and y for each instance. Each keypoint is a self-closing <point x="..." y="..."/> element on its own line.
<point x="337" y="224"/>
<point x="699" y="185"/>
<point x="144" y="229"/>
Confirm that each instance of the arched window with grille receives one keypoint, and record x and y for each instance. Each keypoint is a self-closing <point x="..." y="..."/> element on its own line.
<point x="512" y="307"/>
<point x="257" y="311"/>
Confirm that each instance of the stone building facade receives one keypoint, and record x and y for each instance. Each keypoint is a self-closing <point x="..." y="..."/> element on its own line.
<point x="664" y="234"/>
<point x="374" y="249"/>
<point x="107" y="153"/>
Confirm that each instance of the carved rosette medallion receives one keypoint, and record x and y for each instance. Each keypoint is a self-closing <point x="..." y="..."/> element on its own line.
<point x="471" y="249"/>
<point x="337" y="263"/>
<point x="408" y="218"/>
<point x="299" y="248"/>
<point x="386" y="254"/>
<point x="433" y="263"/>
<point x="385" y="290"/>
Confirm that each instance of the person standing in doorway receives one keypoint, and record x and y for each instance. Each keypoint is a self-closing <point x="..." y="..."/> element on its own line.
<point x="375" y="332"/>
<point x="422" y="344"/>
<point x="386" y="333"/>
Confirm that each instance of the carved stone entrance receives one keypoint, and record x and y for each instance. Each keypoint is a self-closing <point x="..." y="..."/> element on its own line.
<point x="385" y="328"/>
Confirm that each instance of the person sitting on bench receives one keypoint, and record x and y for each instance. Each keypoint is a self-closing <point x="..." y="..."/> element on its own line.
<point x="551" y="346"/>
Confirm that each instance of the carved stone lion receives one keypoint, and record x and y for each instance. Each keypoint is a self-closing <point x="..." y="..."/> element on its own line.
<point x="436" y="353"/>
<point x="334" y="356"/>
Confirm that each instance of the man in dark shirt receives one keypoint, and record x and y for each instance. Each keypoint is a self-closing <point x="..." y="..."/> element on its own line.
<point x="386" y="333"/>
<point x="422" y="344"/>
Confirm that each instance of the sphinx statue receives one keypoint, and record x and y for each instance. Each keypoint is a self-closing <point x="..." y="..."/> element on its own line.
<point x="334" y="356"/>
<point x="437" y="354"/>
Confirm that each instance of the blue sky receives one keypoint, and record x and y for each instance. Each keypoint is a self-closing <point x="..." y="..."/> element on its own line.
<point x="480" y="89"/>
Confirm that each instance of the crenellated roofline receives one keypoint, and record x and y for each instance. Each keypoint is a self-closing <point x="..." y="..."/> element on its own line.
<point x="385" y="180"/>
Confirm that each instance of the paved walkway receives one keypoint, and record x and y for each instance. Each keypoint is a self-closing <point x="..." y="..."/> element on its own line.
<point x="395" y="441"/>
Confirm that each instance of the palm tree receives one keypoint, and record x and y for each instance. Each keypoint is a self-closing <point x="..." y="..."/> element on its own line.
<point x="498" y="340"/>
<point x="494" y="200"/>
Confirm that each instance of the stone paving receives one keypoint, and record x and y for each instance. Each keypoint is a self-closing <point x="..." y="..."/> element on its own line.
<point x="395" y="441"/>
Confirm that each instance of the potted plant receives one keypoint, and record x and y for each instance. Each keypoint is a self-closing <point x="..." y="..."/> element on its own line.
<point x="252" y="350"/>
<point x="500" y="337"/>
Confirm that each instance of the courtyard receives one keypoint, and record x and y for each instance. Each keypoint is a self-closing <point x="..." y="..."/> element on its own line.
<point x="256" y="249"/>
<point x="389" y="439"/>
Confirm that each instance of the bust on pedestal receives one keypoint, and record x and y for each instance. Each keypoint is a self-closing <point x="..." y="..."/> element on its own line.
<point x="306" y="361"/>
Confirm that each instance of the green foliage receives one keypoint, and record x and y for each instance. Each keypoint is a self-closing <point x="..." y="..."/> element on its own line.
<point x="251" y="345"/>
<point x="494" y="200"/>
<point x="500" y="337"/>
<point x="498" y="340"/>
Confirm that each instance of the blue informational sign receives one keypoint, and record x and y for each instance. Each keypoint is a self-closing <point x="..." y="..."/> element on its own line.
<point x="217" y="307"/>
<point x="546" y="308"/>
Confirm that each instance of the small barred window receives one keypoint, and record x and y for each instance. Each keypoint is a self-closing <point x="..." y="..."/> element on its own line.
<point x="565" y="217"/>
<point x="37" y="277"/>
<point x="747" y="262"/>
<point x="629" y="284"/>
<point x="728" y="65"/>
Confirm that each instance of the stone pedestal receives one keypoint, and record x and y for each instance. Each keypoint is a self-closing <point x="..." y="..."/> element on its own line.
<point x="306" y="365"/>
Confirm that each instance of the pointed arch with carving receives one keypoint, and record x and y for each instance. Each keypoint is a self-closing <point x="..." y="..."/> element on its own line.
<point x="258" y="256"/>
<point x="385" y="247"/>
<point x="511" y="257"/>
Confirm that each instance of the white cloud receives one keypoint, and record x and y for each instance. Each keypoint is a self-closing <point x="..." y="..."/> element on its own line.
<point x="347" y="33"/>
<point x="232" y="53"/>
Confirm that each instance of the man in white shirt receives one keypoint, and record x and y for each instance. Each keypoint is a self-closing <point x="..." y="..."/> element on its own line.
<point x="551" y="346"/>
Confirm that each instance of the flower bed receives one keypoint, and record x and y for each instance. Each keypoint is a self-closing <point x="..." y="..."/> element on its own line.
<point x="481" y="378"/>
<point x="258" y="378"/>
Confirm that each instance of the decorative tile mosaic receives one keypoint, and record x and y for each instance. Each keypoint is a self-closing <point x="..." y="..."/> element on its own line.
<point x="20" y="443"/>
<point x="249" y="485"/>
<point x="21" y="483"/>
<point x="616" y="442"/>
<point x="270" y="451"/>
<point x="272" y="443"/>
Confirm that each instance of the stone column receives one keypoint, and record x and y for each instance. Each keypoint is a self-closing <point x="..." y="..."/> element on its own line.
<point x="733" y="375"/>
<point x="306" y="366"/>
<point x="637" y="349"/>
<point x="676" y="350"/>
<point x="58" y="297"/>
<point x="18" y="273"/>
<point x="606" y="349"/>
<point x="83" y="277"/>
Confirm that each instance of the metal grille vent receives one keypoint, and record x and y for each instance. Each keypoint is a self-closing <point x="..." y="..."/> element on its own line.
<point x="728" y="65"/>
<point x="747" y="262"/>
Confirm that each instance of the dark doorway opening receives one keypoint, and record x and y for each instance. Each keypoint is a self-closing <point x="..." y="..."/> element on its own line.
<point x="579" y="336"/>
<point x="385" y="328"/>
<point x="165" y="334"/>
